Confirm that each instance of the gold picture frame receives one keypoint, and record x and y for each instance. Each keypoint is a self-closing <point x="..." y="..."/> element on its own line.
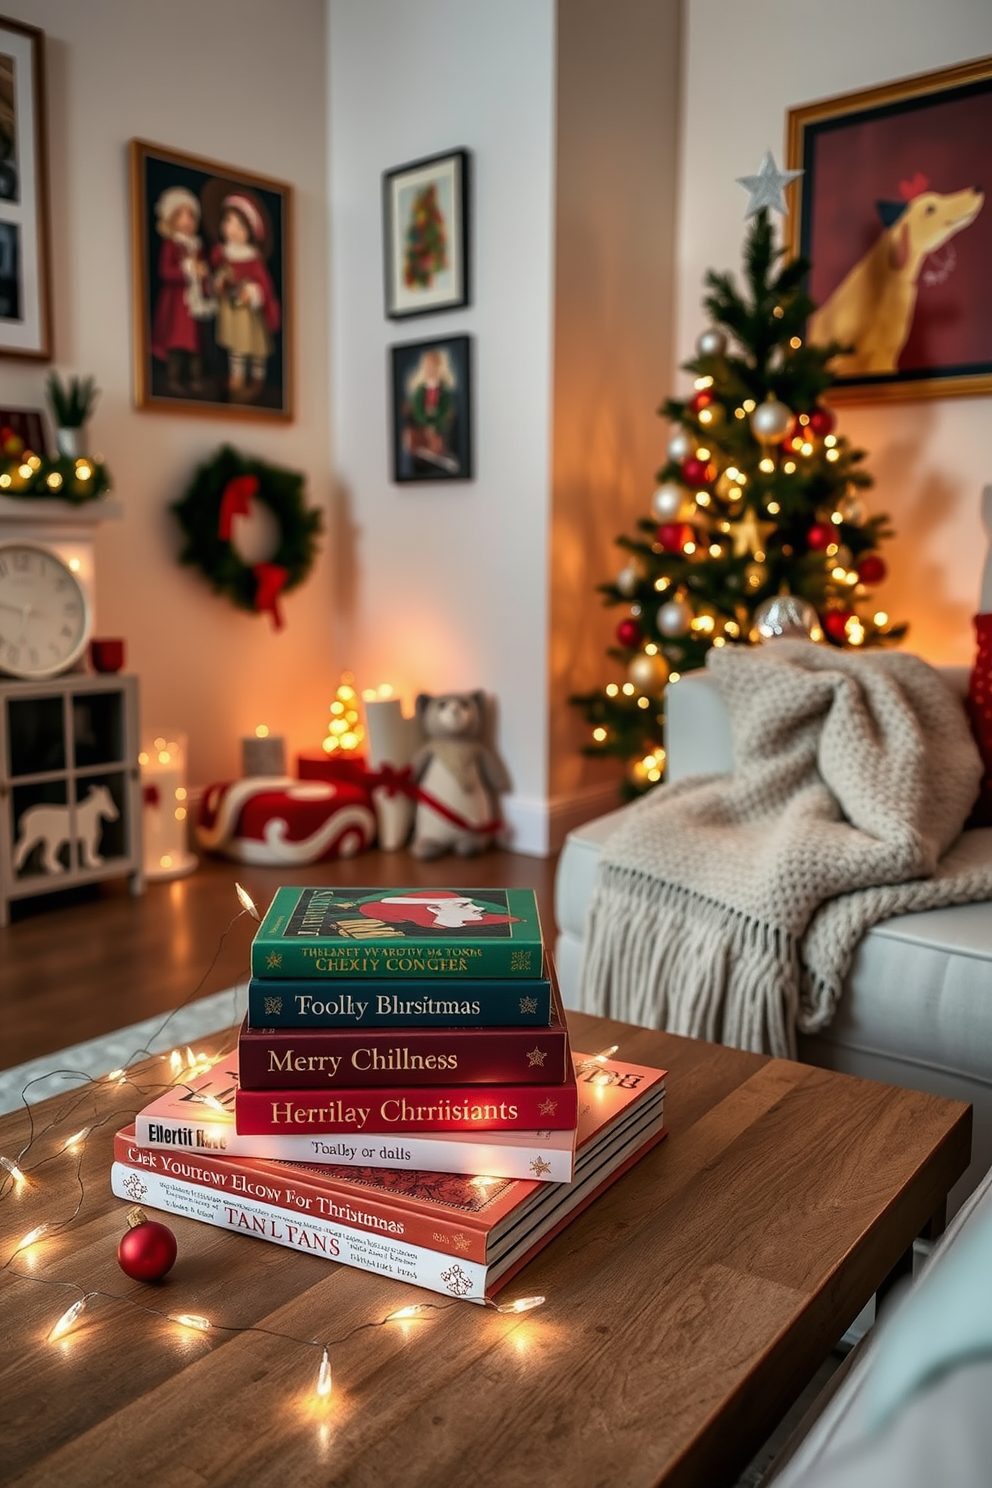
<point x="892" y="215"/>
<point x="212" y="279"/>
<point x="25" y="236"/>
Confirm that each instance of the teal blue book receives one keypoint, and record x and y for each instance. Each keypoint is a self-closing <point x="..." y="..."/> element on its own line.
<point x="383" y="934"/>
<point x="308" y="1003"/>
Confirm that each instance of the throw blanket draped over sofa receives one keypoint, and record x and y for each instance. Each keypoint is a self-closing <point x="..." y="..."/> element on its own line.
<point x="727" y="907"/>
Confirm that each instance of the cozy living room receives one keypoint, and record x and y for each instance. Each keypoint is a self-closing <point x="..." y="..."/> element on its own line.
<point x="617" y="634"/>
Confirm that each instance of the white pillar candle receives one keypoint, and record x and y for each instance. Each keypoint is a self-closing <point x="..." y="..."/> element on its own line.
<point x="165" y="828"/>
<point x="393" y="740"/>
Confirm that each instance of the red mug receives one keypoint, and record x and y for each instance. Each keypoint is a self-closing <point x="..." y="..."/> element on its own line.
<point x="107" y="655"/>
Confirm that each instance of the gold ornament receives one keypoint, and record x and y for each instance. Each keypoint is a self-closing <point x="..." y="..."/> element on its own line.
<point x="648" y="673"/>
<point x="756" y="575"/>
<point x="748" y="534"/>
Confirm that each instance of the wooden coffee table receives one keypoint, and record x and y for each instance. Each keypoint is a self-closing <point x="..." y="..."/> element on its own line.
<point x="687" y="1308"/>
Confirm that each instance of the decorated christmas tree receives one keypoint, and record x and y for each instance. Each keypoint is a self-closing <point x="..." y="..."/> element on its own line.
<point x="426" y="252"/>
<point x="758" y="525"/>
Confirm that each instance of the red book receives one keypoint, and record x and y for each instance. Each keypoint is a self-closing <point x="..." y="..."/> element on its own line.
<point x="410" y="1109"/>
<point x="326" y="1058"/>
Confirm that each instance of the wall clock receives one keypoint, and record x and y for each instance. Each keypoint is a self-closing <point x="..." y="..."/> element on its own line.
<point x="45" y="618"/>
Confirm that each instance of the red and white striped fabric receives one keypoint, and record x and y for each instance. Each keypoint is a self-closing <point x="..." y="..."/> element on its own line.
<point x="276" y="820"/>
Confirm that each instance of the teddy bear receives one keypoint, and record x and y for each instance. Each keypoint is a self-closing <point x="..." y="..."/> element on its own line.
<point x="458" y="771"/>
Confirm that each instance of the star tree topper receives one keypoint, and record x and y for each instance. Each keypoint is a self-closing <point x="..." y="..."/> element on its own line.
<point x="766" y="188"/>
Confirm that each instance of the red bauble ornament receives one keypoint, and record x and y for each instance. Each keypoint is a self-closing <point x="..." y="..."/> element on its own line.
<point x="871" y="568"/>
<point x="702" y="400"/>
<point x="147" y="1249"/>
<point x="697" y="472"/>
<point x="673" y="536"/>
<point x="820" y="536"/>
<point x="822" y="421"/>
<point x="835" y="624"/>
<point x="796" y="436"/>
<point x="629" y="634"/>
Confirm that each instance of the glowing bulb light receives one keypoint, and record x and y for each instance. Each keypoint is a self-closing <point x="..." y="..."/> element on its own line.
<point x="246" y="901"/>
<point x="324" y="1377"/>
<point x="8" y="1164"/>
<point x="34" y="1235"/>
<point x="522" y="1304"/>
<point x="77" y="1139"/>
<point x="416" y="1310"/>
<point x="194" y="1320"/>
<point x="67" y="1320"/>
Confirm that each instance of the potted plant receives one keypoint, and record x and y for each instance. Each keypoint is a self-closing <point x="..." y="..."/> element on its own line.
<point x="72" y="402"/>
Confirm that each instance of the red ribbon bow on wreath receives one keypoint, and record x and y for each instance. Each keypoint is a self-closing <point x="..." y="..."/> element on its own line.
<point x="236" y="501"/>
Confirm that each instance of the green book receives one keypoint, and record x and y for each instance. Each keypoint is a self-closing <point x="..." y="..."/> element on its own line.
<point x="383" y="933"/>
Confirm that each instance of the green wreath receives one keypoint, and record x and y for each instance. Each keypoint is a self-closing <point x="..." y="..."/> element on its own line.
<point x="223" y="489"/>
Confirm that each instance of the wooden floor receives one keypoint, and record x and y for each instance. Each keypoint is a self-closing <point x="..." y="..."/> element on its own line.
<point x="80" y="964"/>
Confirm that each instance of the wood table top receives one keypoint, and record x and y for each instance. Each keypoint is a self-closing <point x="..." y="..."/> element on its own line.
<point x="686" y="1308"/>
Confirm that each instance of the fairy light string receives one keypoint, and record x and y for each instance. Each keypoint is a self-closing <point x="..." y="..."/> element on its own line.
<point x="17" y="1176"/>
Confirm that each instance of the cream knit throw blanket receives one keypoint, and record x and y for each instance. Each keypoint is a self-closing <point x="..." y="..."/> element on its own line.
<point x="727" y="907"/>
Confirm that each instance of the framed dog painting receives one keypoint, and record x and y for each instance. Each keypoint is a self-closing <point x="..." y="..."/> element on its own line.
<point x="212" y="281"/>
<point x="893" y="216"/>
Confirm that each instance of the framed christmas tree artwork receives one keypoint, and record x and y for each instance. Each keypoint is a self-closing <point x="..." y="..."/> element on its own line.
<point x="426" y="235"/>
<point x="894" y="222"/>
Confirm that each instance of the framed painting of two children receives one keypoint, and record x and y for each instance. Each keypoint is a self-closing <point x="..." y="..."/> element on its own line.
<point x="212" y="250"/>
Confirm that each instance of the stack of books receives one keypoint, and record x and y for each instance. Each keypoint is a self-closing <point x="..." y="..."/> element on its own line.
<point x="403" y="1097"/>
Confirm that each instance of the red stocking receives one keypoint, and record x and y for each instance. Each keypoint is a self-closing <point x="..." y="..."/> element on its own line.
<point x="980" y="713"/>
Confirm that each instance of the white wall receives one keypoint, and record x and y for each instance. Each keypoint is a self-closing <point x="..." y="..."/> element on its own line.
<point x="745" y="67"/>
<point x="243" y="82"/>
<point x="445" y="586"/>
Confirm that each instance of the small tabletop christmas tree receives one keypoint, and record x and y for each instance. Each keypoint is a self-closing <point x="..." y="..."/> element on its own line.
<point x="758" y="526"/>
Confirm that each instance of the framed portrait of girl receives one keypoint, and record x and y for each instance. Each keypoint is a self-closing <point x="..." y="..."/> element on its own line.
<point x="212" y="278"/>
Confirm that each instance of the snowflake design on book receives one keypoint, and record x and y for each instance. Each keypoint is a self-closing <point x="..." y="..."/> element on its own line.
<point x="539" y="1167"/>
<point x="528" y="1004"/>
<point x="461" y="1242"/>
<point x="134" y="1188"/>
<point x="520" y="960"/>
<point x="548" y="1107"/>
<point x="273" y="960"/>
<point x="273" y="1004"/>
<point x="456" y="1281"/>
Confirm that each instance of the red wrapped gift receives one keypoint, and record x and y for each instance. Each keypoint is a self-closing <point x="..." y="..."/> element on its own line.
<point x="314" y="764"/>
<point x="266" y="821"/>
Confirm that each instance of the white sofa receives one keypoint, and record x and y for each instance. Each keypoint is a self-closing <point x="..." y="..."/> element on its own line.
<point x="917" y="1006"/>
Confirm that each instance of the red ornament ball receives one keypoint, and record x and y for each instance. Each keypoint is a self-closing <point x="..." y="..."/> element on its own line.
<point x="872" y="568"/>
<point x="822" y="421"/>
<point x="796" y="436"/>
<point x="696" y="472"/>
<point x="835" y="624"/>
<point x="147" y="1249"/>
<point x="629" y="634"/>
<point x="673" y="536"/>
<point x="820" y="536"/>
<point x="702" y="400"/>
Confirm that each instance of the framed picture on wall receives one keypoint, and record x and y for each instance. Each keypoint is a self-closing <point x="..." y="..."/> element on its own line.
<point x="212" y="250"/>
<point x="432" y="410"/>
<point x="25" y="254"/>
<point x="892" y="215"/>
<point x="426" y="235"/>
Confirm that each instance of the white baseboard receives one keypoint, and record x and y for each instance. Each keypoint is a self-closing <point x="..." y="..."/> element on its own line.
<point x="539" y="827"/>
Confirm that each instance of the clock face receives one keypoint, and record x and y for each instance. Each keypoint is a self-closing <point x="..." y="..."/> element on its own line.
<point x="44" y="614"/>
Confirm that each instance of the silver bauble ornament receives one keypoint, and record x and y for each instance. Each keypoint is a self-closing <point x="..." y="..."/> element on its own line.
<point x="681" y="446"/>
<point x="711" y="342"/>
<point x="648" y="673"/>
<point x="668" y="501"/>
<point x="787" y="616"/>
<point x="628" y="579"/>
<point x="770" y="421"/>
<point x="852" y="508"/>
<point x="673" y="619"/>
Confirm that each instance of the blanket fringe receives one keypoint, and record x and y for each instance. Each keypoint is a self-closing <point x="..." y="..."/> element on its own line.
<point x="663" y="956"/>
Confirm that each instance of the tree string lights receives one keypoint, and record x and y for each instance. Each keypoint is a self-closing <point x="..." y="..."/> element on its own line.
<point x="19" y="1177"/>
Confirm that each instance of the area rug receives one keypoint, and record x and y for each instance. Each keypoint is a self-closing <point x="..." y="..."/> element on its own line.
<point x="66" y="1069"/>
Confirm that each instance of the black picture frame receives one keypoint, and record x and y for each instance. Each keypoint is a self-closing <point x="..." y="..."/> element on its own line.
<point x="427" y="265"/>
<point x="432" y="412"/>
<point x="225" y="350"/>
<point x="25" y="234"/>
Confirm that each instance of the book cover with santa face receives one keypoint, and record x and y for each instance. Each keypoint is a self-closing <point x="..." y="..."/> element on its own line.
<point x="383" y="933"/>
